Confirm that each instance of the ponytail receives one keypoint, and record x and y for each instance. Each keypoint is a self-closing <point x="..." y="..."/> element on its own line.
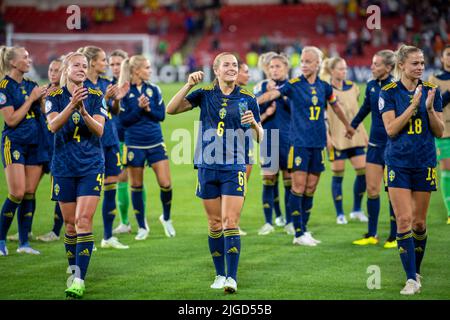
<point x="125" y="72"/>
<point x="91" y="53"/>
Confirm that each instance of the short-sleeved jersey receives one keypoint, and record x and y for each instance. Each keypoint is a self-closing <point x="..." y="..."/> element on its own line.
<point x="221" y="136"/>
<point x="110" y="136"/>
<point x="442" y="80"/>
<point x="378" y="135"/>
<point x="413" y="146"/>
<point x="116" y="119"/>
<point x="77" y="151"/>
<point x="308" y="104"/>
<point x="15" y="94"/>
<point x="348" y="99"/>
<point x="143" y="128"/>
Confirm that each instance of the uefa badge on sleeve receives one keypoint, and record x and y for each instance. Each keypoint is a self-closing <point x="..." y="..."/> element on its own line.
<point x="2" y="98"/>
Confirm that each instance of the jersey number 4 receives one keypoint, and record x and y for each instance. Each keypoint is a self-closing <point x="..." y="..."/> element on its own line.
<point x="76" y="135"/>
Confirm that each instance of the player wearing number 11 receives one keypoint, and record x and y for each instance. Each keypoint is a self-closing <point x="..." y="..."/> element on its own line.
<point x="224" y="108"/>
<point x="412" y="115"/>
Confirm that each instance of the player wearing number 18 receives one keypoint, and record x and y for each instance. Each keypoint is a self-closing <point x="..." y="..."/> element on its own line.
<point x="226" y="110"/>
<point x="412" y="115"/>
<point x="77" y="115"/>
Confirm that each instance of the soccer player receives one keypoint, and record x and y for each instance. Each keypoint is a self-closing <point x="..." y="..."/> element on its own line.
<point x="226" y="112"/>
<point x="97" y="66"/>
<point x="123" y="201"/>
<point x="76" y="114"/>
<point x="54" y="76"/>
<point x="412" y="115"/>
<point x="270" y="196"/>
<point x="278" y="122"/>
<point x="309" y="96"/>
<point x="442" y="80"/>
<point x="383" y="63"/>
<point x="20" y="106"/>
<point x="340" y="148"/>
<point x="242" y="80"/>
<point x="142" y="110"/>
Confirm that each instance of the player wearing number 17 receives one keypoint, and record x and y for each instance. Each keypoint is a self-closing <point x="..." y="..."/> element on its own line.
<point x="412" y="115"/>
<point x="309" y="96"/>
<point x="77" y="115"/>
<point x="226" y="110"/>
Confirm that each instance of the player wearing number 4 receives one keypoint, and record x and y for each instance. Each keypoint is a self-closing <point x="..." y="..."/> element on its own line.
<point x="110" y="139"/>
<point x="412" y="115"/>
<point x="225" y="110"/>
<point x="77" y="115"/>
<point x="309" y="96"/>
<point x="20" y="106"/>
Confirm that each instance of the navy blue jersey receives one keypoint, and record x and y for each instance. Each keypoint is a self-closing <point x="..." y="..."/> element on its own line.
<point x="77" y="151"/>
<point x="283" y="114"/>
<point x="220" y="115"/>
<point x="110" y="136"/>
<point x="413" y="146"/>
<point x="14" y="94"/>
<point x="308" y="104"/>
<point x="378" y="135"/>
<point x="120" y="128"/>
<point x="143" y="128"/>
<point x="258" y="90"/>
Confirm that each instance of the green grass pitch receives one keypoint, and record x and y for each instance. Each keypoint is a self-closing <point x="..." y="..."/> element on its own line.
<point x="270" y="266"/>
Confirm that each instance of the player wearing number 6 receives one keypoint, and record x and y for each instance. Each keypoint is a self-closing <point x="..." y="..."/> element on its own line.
<point x="412" y="115"/>
<point x="225" y="109"/>
<point x="77" y="115"/>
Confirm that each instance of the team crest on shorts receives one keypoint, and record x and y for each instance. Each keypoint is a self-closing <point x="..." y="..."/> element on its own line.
<point x="314" y="100"/>
<point x="298" y="161"/>
<point x="76" y="117"/>
<point x="2" y="98"/>
<point x="391" y="175"/>
<point x="130" y="156"/>
<point x="57" y="189"/>
<point x="338" y="153"/>
<point x="16" y="154"/>
<point x="222" y="113"/>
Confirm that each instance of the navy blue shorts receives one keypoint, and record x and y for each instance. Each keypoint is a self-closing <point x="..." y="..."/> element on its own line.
<point x="306" y="159"/>
<point x="417" y="179"/>
<point x="113" y="165"/>
<point x="335" y="154"/>
<point x="68" y="189"/>
<point x="137" y="157"/>
<point x="375" y="155"/>
<point x="27" y="154"/>
<point x="275" y="162"/>
<point x="212" y="184"/>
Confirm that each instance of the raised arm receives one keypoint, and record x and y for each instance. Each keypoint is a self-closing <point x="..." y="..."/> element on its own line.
<point x="436" y="119"/>
<point x="179" y="103"/>
<point x="268" y="96"/>
<point x="56" y="120"/>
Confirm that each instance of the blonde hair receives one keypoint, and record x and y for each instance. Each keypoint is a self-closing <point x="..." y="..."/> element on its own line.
<point x="91" y="53"/>
<point x="7" y="54"/>
<point x="128" y="66"/>
<point x="400" y="57"/>
<point x="218" y="59"/>
<point x="264" y="60"/>
<point x="283" y="58"/>
<point x="388" y="58"/>
<point x="119" y="53"/>
<point x="65" y="66"/>
<point x="327" y="66"/>
<point x="316" y="51"/>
